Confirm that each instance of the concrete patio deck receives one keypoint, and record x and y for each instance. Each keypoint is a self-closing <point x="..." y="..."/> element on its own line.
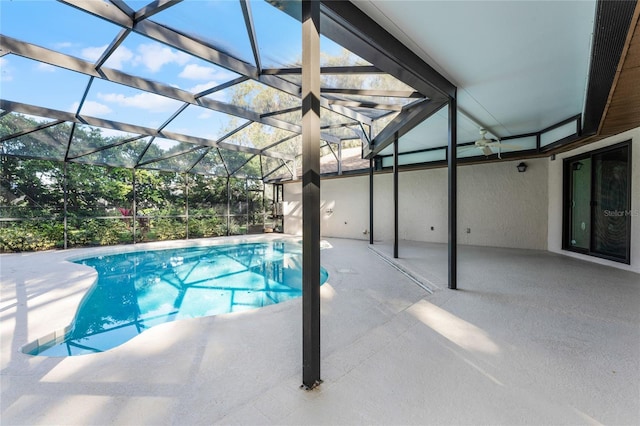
<point x="529" y="338"/>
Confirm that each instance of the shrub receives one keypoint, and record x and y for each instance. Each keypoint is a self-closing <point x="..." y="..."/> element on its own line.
<point x="211" y="226"/>
<point x="31" y="236"/>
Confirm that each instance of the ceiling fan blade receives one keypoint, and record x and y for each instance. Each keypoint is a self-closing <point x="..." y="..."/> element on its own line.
<point x="486" y="150"/>
<point x="509" y="147"/>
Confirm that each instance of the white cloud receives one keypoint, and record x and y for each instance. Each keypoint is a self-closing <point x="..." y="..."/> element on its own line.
<point x="219" y="96"/>
<point x="113" y="133"/>
<point x="146" y="101"/>
<point x="116" y="60"/>
<point x="92" y="53"/>
<point x="204" y="115"/>
<point x="155" y="57"/>
<point x="5" y="70"/>
<point x="46" y="67"/>
<point x="198" y="72"/>
<point x="91" y="108"/>
<point x="63" y="45"/>
<point x="119" y="57"/>
<point x="165" y="144"/>
<point x="202" y="87"/>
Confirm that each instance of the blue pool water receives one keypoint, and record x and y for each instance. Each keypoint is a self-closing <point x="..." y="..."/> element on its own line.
<point x="138" y="290"/>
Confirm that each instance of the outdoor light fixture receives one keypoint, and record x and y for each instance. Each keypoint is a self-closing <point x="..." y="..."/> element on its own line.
<point x="522" y="167"/>
<point x="486" y="151"/>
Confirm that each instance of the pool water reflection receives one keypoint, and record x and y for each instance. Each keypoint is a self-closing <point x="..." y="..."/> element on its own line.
<point x="138" y="290"/>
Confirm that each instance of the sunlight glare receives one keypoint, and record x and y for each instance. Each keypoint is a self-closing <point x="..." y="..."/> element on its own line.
<point x="453" y="328"/>
<point x="327" y="292"/>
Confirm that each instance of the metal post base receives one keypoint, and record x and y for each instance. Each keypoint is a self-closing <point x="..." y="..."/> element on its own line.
<point x="312" y="387"/>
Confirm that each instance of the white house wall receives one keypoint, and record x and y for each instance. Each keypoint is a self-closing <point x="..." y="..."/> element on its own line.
<point x="500" y="207"/>
<point x="555" y="199"/>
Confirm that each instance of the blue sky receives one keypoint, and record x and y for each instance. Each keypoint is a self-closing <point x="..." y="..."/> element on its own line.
<point x="63" y="28"/>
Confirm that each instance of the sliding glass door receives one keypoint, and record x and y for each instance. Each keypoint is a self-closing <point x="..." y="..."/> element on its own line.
<point x="581" y="203"/>
<point x="612" y="209"/>
<point x="598" y="203"/>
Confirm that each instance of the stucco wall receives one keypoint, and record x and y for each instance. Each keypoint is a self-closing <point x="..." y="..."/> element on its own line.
<point x="555" y="200"/>
<point x="342" y="200"/>
<point x="501" y="207"/>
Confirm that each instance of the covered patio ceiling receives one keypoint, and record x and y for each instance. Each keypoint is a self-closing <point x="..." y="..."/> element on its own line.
<point x="213" y="87"/>
<point x="535" y="75"/>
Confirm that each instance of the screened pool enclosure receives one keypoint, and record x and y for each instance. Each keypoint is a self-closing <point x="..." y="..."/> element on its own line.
<point x="180" y="115"/>
<point x="126" y="120"/>
<point x="221" y="89"/>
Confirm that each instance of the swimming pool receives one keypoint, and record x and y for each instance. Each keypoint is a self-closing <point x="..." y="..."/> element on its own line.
<point x="135" y="291"/>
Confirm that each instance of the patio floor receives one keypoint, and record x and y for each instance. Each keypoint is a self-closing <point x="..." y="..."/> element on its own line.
<point x="530" y="337"/>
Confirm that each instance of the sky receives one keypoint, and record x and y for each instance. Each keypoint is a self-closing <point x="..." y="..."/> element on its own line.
<point x="57" y="26"/>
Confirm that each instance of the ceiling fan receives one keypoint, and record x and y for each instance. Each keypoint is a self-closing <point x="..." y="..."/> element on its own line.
<point x="485" y="145"/>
